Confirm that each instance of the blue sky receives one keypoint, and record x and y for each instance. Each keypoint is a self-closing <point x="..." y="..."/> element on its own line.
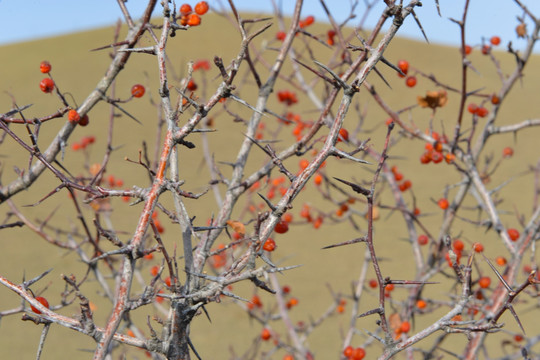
<point x="31" y="19"/>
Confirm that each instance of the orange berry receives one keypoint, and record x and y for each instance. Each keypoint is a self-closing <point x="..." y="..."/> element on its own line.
<point x="148" y="256"/>
<point x="288" y="357"/>
<point x="389" y="287"/>
<point x="421" y="304"/>
<point x="137" y="90"/>
<point x="266" y="334"/>
<point x="486" y="49"/>
<point x="495" y="100"/>
<point x="405" y="327"/>
<point x="303" y="164"/>
<point x="358" y="354"/>
<point x="292" y="302"/>
<point x="193" y="20"/>
<point x="518" y="338"/>
<point x="484" y="282"/>
<point x="468" y="49"/>
<point x="202" y="8"/>
<point x="348" y="351"/>
<point x="269" y="245"/>
<point x="458" y="245"/>
<point x="46" y="85"/>
<point x="403" y="65"/>
<point x="43" y="302"/>
<point x="449" y="158"/>
<point x="168" y="281"/>
<point x="73" y="116"/>
<point x="513" y="234"/>
<point x="131" y="333"/>
<point x="495" y="40"/>
<point x="154" y="270"/>
<point x="500" y="260"/>
<point x="343" y="135"/>
<point x="405" y="185"/>
<point x="508" y="152"/>
<point x="318" y="179"/>
<point x="45" y="67"/>
<point x="478" y="247"/>
<point x="410" y="81"/>
<point x="472" y="108"/>
<point x="185" y="9"/>
<point x="443" y="203"/>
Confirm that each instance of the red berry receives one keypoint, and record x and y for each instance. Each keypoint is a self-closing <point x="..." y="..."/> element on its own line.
<point x="423" y="239"/>
<point x="343" y="135"/>
<point x="46" y="85"/>
<point x="472" y="108"/>
<point x="45" y="67"/>
<point x="484" y="282"/>
<point x="309" y="20"/>
<point x="443" y="203"/>
<point x="137" y="90"/>
<point x="202" y="8"/>
<point x="43" y="302"/>
<point x="436" y="157"/>
<point x="191" y="86"/>
<point x="513" y="234"/>
<point x="468" y="49"/>
<point x="280" y="35"/>
<point x="403" y="65"/>
<point x="486" y="49"/>
<point x="84" y="120"/>
<point x="269" y="245"/>
<point x="281" y="227"/>
<point x="410" y="81"/>
<point x="185" y="9"/>
<point x="482" y="112"/>
<point x="73" y="116"/>
<point x="495" y="40"/>
<point x="373" y="283"/>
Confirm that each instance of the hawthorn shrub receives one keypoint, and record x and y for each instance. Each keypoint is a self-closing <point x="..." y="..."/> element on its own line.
<point x="308" y="157"/>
